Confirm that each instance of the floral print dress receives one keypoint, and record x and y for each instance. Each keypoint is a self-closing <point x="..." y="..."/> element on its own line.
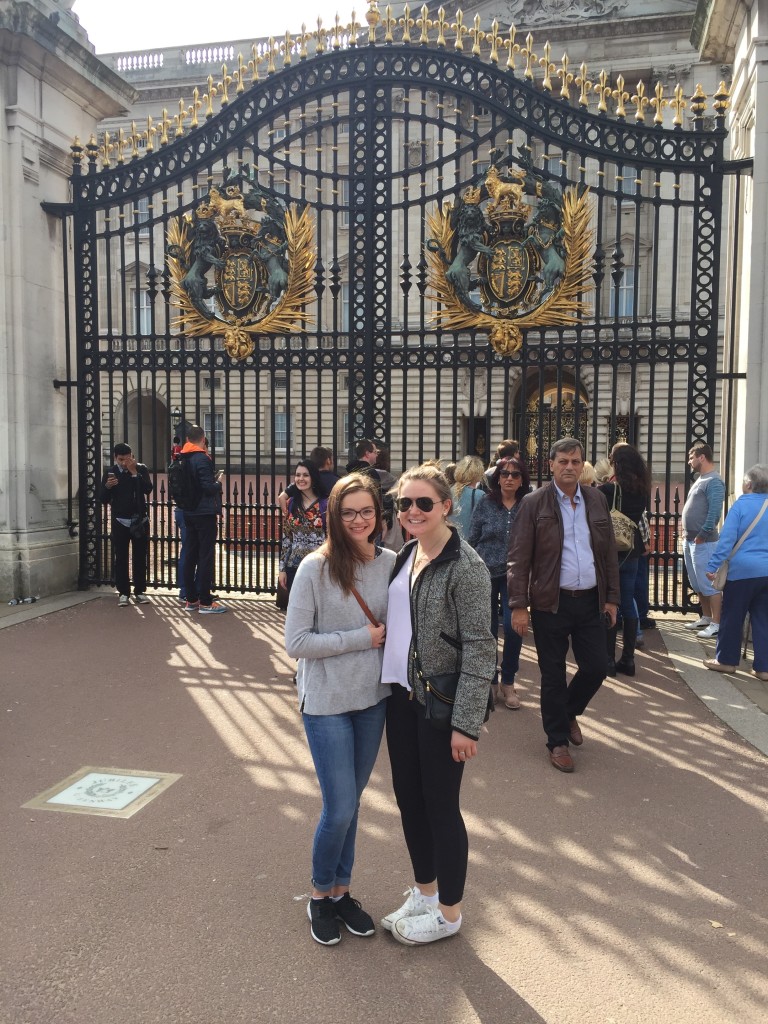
<point x="303" y="531"/>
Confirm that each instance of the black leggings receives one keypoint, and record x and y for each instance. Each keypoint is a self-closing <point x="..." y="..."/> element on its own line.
<point x="427" y="782"/>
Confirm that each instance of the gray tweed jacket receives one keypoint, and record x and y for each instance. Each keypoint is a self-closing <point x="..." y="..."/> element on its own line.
<point x="451" y="604"/>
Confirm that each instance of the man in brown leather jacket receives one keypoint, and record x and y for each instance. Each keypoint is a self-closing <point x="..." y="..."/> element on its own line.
<point x="563" y="562"/>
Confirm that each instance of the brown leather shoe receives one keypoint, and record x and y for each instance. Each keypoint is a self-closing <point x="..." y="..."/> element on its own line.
<point x="714" y="666"/>
<point x="576" y="738"/>
<point x="561" y="759"/>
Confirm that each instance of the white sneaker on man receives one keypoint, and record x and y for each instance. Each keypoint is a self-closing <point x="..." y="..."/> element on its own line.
<point x="427" y="927"/>
<point x="415" y="904"/>
<point x="123" y="601"/>
<point x="699" y="623"/>
<point x="711" y="630"/>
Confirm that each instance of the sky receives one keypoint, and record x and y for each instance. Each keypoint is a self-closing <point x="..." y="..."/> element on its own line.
<point x="149" y="24"/>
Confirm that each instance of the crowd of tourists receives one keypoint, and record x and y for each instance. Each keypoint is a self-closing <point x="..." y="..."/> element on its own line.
<point x="395" y="591"/>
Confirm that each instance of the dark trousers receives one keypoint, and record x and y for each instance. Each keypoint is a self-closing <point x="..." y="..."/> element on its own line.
<point x="427" y="782"/>
<point x="198" y="557"/>
<point x="740" y="597"/>
<point x="121" y="542"/>
<point x="579" y="620"/>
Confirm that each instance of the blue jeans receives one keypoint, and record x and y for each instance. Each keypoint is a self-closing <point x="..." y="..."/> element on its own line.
<point x="513" y="642"/>
<point x="344" y="749"/>
<point x="641" y="587"/>
<point x="178" y="518"/>
<point x="627" y="580"/>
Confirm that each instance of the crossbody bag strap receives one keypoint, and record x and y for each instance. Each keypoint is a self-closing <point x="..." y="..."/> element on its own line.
<point x="367" y="611"/>
<point x="748" y="530"/>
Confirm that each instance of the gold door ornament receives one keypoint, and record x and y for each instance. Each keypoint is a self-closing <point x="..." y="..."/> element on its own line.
<point x="242" y="264"/>
<point x="532" y="244"/>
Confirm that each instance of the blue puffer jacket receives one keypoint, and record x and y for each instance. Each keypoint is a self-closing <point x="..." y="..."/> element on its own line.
<point x="209" y="487"/>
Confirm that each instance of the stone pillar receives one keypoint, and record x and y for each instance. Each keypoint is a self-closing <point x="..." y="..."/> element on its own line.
<point x="52" y="88"/>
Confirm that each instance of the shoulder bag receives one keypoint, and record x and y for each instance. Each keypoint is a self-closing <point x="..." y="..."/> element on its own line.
<point x="721" y="576"/>
<point x="623" y="527"/>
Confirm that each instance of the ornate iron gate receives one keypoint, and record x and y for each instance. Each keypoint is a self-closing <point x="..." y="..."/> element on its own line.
<point x="375" y="128"/>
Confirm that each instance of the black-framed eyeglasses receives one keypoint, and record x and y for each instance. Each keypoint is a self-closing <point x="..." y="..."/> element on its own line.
<point x="349" y="515"/>
<point x="510" y="472"/>
<point x="425" y="504"/>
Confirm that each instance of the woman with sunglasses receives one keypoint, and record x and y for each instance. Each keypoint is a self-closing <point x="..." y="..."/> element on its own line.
<point x="338" y="594"/>
<point x="489" y="536"/>
<point x="437" y="623"/>
<point x="304" y="523"/>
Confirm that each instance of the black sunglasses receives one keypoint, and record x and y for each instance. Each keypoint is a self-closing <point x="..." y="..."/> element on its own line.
<point x="425" y="504"/>
<point x="509" y="472"/>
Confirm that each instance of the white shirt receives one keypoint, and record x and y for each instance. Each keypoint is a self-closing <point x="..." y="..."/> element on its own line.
<point x="577" y="566"/>
<point x="394" y="668"/>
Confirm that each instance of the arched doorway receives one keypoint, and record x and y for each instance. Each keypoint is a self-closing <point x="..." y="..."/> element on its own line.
<point x="558" y="410"/>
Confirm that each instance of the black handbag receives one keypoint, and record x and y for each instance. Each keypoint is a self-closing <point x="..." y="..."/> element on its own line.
<point x="139" y="527"/>
<point x="281" y="597"/>
<point x="440" y="690"/>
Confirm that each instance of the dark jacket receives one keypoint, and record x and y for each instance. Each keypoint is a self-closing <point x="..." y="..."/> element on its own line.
<point x="536" y="548"/>
<point x="451" y="607"/>
<point x="129" y="497"/>
<point x="207" y="484"/>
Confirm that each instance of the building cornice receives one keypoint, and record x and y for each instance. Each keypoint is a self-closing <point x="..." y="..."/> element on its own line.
<point x="35" y="42"/>
<point x="716" y="28"/>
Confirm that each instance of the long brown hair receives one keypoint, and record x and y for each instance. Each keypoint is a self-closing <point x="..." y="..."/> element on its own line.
<point x="341" y="553"/>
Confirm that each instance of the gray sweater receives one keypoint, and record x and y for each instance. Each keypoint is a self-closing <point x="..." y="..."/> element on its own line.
<point x="328" y="632"/>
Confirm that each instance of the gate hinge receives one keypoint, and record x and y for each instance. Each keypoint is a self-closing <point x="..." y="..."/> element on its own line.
<point x="730" y="376"/>
<point x="65" y="384"/>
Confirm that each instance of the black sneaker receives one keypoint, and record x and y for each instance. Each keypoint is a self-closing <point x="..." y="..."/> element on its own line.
<point x="352" y="915"/>
<point x="323" y="917"/>
<point x="647" y="623"/>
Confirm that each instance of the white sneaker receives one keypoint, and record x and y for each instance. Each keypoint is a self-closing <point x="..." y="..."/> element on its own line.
<point x="699" y="623"/>
<point x="712" y="630"/>
<point x="141" y="599"/>
<point x="415" y="904"/>
<point x="427" y="927"/>
<point x="123" y="601"/>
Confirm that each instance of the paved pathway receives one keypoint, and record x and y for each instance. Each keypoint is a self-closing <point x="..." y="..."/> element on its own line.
<point x="631" y="891"/>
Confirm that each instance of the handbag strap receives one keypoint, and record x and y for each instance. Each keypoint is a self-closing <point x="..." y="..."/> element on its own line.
<point x="748" y="530"/>
<point x="368" y="613"/>
<point x="616" y="491"/>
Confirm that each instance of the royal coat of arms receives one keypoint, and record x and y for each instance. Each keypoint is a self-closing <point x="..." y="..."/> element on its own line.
<point x="532" y="244"/>
<point x="242" y="264"/>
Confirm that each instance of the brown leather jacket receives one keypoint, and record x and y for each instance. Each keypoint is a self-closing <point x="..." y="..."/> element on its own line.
<point x="536" y="545"/>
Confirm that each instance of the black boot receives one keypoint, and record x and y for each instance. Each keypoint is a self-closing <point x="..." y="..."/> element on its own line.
<point x="626" y="663"/>
<point x="610" y="637"/>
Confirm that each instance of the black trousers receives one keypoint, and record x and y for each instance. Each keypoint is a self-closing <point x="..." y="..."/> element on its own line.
<point x="427" y="782"/>
<point x="122" y="541"/>
<point x="579" y="619"/>
<point x="199" y="557"/>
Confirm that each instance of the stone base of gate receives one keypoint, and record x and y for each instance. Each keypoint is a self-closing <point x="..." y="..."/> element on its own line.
<point x="37" y="564"/>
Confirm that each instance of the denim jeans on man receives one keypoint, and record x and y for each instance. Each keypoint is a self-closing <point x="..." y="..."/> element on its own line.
<point x="178" y="518"/>
<point x="344" y="749"/>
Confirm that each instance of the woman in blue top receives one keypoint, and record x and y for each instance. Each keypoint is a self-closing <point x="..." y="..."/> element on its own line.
<point x="746" y="589"/>
<point x="467" y="475"/>
<point x="489" y="535"/>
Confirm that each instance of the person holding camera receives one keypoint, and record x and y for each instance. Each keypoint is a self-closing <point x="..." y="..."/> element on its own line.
<point x="125" y="487"/>
<point x="563" y="563"/>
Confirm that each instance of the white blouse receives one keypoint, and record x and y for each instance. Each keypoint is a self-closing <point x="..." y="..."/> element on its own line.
<point x="394" y="668"/>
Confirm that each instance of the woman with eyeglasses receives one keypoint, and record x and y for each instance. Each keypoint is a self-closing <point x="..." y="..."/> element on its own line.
<point x="304" y="522"/>
<point x="335" y="626"/>
<point x="437" y="624"/>
<point x="489" y="530"/>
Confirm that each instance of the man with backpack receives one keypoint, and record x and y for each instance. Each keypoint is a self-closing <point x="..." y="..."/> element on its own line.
<point x="196" y="489"/>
